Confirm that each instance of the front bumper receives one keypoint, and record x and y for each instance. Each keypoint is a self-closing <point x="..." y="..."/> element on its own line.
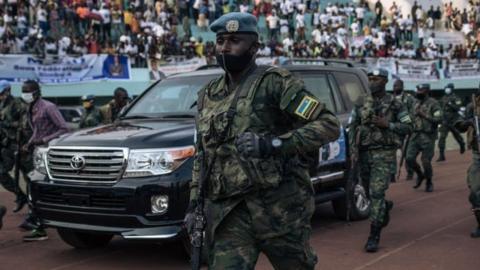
<point x="123" y="208"/>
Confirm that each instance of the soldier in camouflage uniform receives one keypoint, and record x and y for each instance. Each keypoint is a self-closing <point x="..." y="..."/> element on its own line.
<point x="409" y="102"/>
<point x="376" y="129"/>
<point x="473" y="175"/>
<point x="428" y="115"/>
<point x="92" y="116"/>
<point x="450" y="104"/>
<point x="12" y="110"/>
<point x="255" y="125"/>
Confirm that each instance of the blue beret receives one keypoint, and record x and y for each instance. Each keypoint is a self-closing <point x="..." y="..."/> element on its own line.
<point x="4" y="85"/>
<point x="88" y="97"/>
<point x="235" y="22"/>
<point x="423" y="86"/>
<point x="378" y="72"/>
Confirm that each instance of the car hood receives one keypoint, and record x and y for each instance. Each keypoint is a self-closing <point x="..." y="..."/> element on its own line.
<point x="158" y="133"/>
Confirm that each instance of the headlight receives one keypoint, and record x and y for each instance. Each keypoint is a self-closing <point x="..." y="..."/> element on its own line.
<point x="39" y="156"/>
<point x="147" y="162"/>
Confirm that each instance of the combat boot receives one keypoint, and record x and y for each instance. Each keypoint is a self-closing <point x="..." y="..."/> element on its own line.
<point x="374" y="238"/>
<point x="388" y="208"/>
<point x="441" y="157"/>
<point x="429" y="185"/>
<point x="3" y="210"/>
<point x="20" y="202"/>
<point x="462" y="148"/>
<point x="476" y="232"/>
<point x="420" y="178"/>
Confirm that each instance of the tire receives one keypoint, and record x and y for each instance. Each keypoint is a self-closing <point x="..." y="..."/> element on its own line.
<point x="84" y="240"/>
<point x="358" y="200"/>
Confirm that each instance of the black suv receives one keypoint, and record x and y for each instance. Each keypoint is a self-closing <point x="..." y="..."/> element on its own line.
<point x="131" y="178"/>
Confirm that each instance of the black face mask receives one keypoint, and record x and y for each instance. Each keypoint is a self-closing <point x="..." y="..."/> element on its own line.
<point x="397" y="91"/>
<point x="234" y="63"/>
<point x="421" y="96"/>
<point x="376" y="87"/>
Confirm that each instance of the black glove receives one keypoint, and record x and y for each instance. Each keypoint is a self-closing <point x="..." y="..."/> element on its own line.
<point x="251" y="145"/>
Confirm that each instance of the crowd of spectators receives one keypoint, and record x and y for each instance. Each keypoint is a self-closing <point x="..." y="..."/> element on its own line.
<point x="149" y="29"/>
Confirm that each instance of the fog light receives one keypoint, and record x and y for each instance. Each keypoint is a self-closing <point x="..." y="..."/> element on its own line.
<point x="159" y="204"/>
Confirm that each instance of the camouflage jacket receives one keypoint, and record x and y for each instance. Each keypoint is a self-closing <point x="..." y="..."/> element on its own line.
<point x="276" y="104"/>
<point x="450" y="105"/>
<point x="372" y="137"/>
<point x="427" y="125"/>
<point x="13" y="114"/>
<point x="409" y="102"/>
<point x="91" y="118"/>
<point x="467" y="125"/>
<point x="110" y="112"/>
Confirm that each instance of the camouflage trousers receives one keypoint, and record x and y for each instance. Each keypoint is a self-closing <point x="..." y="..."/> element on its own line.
<point x="443" y="134"/>
<point x="235" y="245"/>
<point x="7" y="163"/>
<point x="376" y="167"/>
<point x="473" y="181"/>
<point x="425" y="144"/>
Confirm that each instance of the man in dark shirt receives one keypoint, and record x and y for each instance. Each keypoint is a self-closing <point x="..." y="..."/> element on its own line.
<point x="112" y="109"/>
<point x="47" y="124"/>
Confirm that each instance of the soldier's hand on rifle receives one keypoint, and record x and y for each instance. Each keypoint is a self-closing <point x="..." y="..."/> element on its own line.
<point x="251" y="145"/>
<point x="380" y="121"/>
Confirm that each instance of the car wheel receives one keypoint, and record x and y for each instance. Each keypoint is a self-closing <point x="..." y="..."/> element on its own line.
<point x="357" y="198"/>
<point x="84" y="240"/>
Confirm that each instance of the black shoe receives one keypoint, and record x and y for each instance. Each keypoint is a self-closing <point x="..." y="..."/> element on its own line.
<point x="441" y="157"/>
<point x="36" y="235"/>
<point x="28" y="225"/>
<point x="374" y="238"/>
<point x="429" y="186"/>
<point x="388" y="208"/>
<point x="21" y="202"/>
<point x="3" y="211"/>
<point x="475" y="233"/>
<point x="392" y="178"/>
<point x="462" y="148"/>
<point x="419" y="181"/>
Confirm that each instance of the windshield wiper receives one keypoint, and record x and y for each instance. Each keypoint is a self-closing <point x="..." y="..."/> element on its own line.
<point x="136" y="116"/>
<point x="179" y="115"/>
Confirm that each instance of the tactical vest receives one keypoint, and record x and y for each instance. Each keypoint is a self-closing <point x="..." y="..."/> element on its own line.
<point x="371" y="136"/>
<point x="231" y="175"/>
<point x="422" y="125"/>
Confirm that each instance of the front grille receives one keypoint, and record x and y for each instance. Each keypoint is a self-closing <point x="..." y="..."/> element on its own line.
<point x="97" y="165"/>
<point x="83" y="200"/>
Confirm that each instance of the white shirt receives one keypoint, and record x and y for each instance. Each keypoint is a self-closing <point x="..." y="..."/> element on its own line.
<point x="360" y="12"/>
<point x="264" y="52"/>
<point x="300" y="19"/>
<point x="105" y="13"/>
<point x="355" y="28"/>
<point x="317" y="36"/>
<point x="316" y="18"/>
<point x="287" y="43"/>
<point x="283" y="26"/>
<point x="421" y="33"/>
<point x="273" y="21"/>
<point x="244" y="8"/>
<point x="324" y="18"/>
<point x="41" y="15"/>
<point x="431" y="42"/>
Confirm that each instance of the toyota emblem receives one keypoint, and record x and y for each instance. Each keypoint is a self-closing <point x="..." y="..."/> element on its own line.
<point x="77" y="162"/>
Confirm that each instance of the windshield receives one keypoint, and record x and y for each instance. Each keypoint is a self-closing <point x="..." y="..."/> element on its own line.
<point x="170" y="97"/>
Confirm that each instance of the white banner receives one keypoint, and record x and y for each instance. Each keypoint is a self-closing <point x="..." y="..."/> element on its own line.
<point x="174" y="65"/>
<point x="464" y="69"/>
<point x="64" y="70"/>
<point x="411" y="70"/>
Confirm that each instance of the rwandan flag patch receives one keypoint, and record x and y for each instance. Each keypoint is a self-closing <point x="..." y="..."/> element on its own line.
<point x="306" y="107"/>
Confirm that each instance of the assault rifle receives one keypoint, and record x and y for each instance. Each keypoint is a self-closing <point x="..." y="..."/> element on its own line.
<point x="476" y="124"/>
<point x="404" y="153"/>
<point x="200" y="222"/>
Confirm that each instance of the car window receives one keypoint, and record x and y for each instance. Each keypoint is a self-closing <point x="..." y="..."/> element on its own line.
<point x="350" y="86"/>
<point x="318" y="85"/>
<point x="175" y="95"/>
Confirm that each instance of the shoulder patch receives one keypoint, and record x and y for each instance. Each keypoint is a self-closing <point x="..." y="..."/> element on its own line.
<point x="437" y="113"/>
<point x="306" y="107"/>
